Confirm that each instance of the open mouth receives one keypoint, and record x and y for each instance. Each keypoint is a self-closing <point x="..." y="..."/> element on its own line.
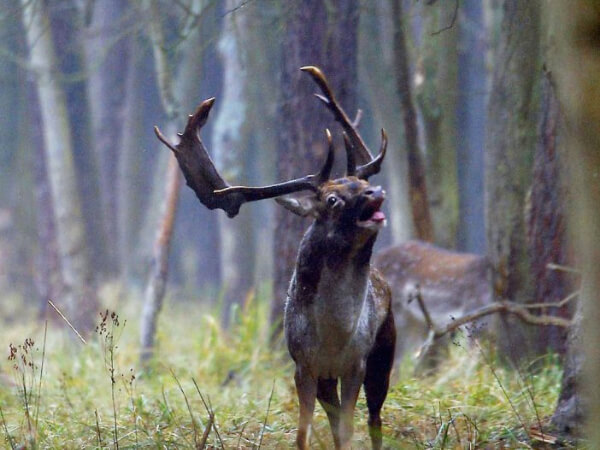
<point x="372" y="215"/>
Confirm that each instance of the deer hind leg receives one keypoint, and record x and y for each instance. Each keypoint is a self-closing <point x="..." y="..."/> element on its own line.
<point x="377" y="377"/>
<point x="329" y="400"/>
<point x="306" y="387"/>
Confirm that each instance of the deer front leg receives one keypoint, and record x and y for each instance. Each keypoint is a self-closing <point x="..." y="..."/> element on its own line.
<point x="306" y="387"/>
<point x="350" y="389"/>
<point x="328" y="397"/>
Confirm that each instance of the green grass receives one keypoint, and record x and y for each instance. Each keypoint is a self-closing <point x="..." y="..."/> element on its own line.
<point x="240" y="379"/>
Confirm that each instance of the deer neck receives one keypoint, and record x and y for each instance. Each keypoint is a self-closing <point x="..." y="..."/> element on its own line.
<point x="332" y="276"/>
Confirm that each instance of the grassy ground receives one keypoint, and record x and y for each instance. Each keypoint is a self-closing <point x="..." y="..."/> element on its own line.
<point x="59" y="393"/>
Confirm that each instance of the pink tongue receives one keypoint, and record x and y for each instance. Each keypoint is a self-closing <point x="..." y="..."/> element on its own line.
<point x="378" y="216"/>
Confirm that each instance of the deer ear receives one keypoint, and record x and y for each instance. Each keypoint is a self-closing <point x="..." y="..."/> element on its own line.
<point x="302" y="205"/>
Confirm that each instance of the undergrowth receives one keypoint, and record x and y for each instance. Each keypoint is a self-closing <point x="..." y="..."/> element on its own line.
<point x="207" y="388"/>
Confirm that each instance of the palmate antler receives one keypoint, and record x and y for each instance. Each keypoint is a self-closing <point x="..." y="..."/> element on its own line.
<point x="214" y="192"/>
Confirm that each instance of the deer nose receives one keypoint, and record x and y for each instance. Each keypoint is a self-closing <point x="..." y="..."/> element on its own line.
<point x="376" y="192"/>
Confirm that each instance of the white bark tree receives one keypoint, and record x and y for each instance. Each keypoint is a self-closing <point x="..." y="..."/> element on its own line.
<point x="105" y="54"/>
<point x="79" y="301"/>
<point x="230" y="143"/>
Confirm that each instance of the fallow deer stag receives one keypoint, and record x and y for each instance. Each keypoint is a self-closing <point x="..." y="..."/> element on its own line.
<point x="338" y="321"/>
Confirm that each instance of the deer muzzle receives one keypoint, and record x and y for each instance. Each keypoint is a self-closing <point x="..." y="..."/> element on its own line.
<point x="371" y="215"/>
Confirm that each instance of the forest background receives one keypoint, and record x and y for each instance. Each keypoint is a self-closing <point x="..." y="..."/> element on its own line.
<point x="88" y="196"/>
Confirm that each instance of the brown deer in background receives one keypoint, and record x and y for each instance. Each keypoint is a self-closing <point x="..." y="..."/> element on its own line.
<point x="451" y="284"/>
<point x="338" y="320"/>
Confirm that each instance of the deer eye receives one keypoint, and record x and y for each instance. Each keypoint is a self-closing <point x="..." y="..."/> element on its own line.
<point x="331" y="200"/>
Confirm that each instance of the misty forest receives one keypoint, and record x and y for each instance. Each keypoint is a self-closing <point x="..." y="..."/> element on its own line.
<point x="442" y="154"/>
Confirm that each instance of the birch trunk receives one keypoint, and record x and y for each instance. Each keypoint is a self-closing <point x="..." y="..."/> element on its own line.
<point x="48" y="276"/>
<point x="230" y="143"/>
<point x="106" y="59"/>
<point x="79" y="302"/>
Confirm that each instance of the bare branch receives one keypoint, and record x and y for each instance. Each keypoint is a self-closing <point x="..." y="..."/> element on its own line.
<point x="452" y="21"/>
<point x="66" y="321"/>
<point x="504" y="306"/>
<point x="558" y="304"/>
<point x="419" y="298"/>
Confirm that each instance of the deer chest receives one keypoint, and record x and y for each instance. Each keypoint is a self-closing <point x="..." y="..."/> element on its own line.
<point x="333" y="331"/>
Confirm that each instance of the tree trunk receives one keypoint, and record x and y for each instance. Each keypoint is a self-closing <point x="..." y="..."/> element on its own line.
<point x="79" y="302"/>
<point x="578" y="78"/>
<point x="127" y="186"/>
<point x="423" y="226"/>
<point x="106" y="59"/>
<point x="510" y="143"/>
<point x="230" y="144"/>
<point x="155" y="289"/>
<point x="48" y="277"/>
<point x="321" y="33"/>
<point x="436" y="92"/>
<point x="260" y="54"/>
<point x="174" y="94"/>
<point x="65" y="22"/>
<point x="546" y="222"/>
<point x="471" y="122"/>
<point x="376" y="73"/>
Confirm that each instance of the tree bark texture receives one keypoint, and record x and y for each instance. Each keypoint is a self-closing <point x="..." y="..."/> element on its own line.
<point x="155" y="289"/>
<point x="546" y="221"/>
<point x="510" y="144"/>
<point x="419" y="202"/>
<point x="106" y="58"/>
<point x="79" y="301"/>
<point x="260" y="51"/>
<point x="48" y="277"/>
<point x="129" y="160"/>
<point x="436" y="92"/>
<point x="376" y="74"/>
<point x="65" y="23"/>
<point x="321" y="33"/>
<point x="577" y="67"/>
<point x="471" y="122"/>
<point x="230" y="144"/>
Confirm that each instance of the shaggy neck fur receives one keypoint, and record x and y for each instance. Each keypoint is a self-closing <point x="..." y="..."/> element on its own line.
<point x="329" y="311"/>
<point x="322" y="253"/>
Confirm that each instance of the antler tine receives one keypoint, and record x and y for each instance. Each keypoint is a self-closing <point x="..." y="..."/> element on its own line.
<point x="326" y="169"/>
<point x="361" y="150"/>
<point x="373" y="167"/>
<point x="350" y="156"/>
<point x="200" y="116"/>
